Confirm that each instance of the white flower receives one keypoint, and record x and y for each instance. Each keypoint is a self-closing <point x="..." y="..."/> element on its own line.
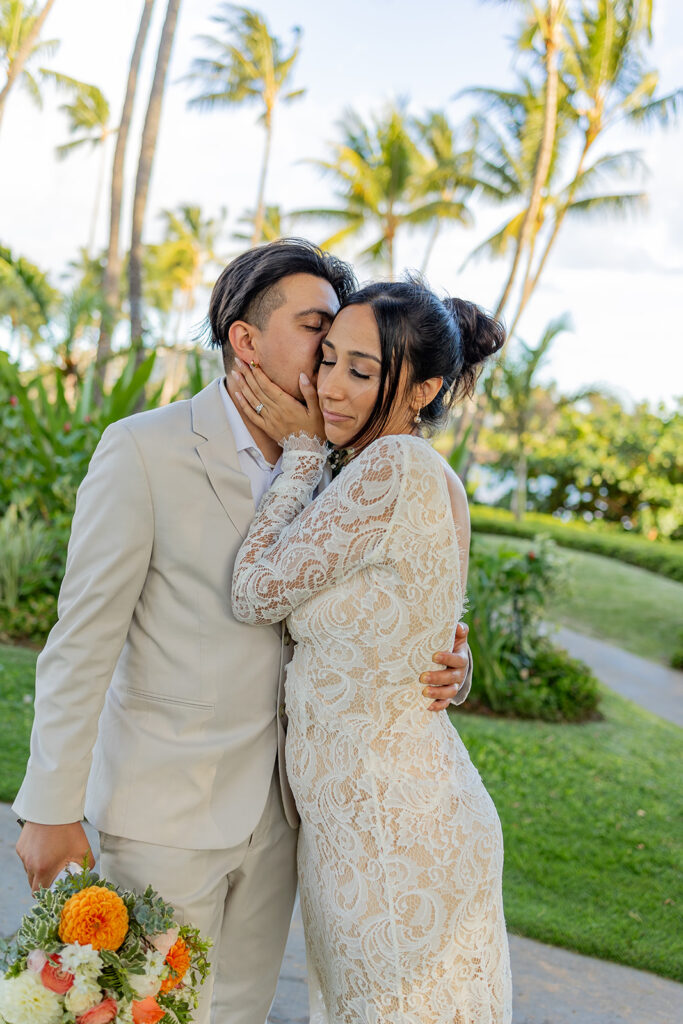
<point x="163" y="941"/>
<point x="82" y="996"/>
<point x="156" y="964"/>
<point x="144" y="984"/>
<point x="25" y="1000"/>
<point x="81" y="960"/>
<point x="125" y="1014"/>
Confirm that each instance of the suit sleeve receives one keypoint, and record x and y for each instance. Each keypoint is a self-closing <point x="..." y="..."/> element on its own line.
<point x="107" y="563"/>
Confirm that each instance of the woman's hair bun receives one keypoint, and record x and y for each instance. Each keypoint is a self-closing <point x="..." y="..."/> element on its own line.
<point x="481" y="336"/>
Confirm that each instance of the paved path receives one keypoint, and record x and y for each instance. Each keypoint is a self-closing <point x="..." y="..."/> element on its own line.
<point x="551" y="985"/>
<point x="654" y="686"/>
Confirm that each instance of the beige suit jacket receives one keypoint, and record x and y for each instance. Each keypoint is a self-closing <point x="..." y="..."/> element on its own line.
<point x="158" y="715"/>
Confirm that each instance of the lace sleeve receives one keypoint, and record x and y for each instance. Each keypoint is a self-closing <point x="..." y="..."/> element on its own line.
<point x="295" y="548"/>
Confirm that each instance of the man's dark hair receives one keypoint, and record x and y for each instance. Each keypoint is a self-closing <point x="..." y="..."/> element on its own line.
<point x="248" y="287"/>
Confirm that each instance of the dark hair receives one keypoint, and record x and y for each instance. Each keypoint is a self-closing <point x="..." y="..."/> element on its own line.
<point x="448" y="338"/>
<point x="248" y="287"/>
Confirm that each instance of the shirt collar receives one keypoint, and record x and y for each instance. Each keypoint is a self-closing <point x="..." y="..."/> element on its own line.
<point x="244" y="442"/>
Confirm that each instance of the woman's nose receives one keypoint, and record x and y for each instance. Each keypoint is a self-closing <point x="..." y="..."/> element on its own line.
<point x="331" y="385"/>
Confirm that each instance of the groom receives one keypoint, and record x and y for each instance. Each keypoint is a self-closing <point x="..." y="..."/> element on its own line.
<point x="159" y="718"/>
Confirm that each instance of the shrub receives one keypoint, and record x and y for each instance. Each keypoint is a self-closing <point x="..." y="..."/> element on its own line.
<point x="662" y="557"/>
<point x="518" y="671"/>
<point x="677" y="656"/>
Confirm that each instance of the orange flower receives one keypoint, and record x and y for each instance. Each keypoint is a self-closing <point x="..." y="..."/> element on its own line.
<point x="178" y="959"/>
<point x="95" y="915"/>
<point x="146" y="1011"/>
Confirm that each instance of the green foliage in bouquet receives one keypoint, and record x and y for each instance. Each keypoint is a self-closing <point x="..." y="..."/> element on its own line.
<point x="149" y="918"/>
<point x="518" y="670"/>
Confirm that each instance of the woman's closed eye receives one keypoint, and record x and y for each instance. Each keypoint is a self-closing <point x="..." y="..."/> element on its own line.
<point x="353" y="371"/>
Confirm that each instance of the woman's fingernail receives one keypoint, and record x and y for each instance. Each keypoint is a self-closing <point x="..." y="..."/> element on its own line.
<point x="238" y="396"/>
<point x="304" y="379"/>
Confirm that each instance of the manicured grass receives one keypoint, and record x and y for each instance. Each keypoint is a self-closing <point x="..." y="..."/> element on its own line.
<point x="591" y="817"/>
<point x="17" y="668"/>
<point x="633" y="608"/>
<point x="589" y="814"/>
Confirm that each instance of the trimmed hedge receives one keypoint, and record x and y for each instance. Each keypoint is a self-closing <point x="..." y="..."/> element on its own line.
<point x="665" y="558"/>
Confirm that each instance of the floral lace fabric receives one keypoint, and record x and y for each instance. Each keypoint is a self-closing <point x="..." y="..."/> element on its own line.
<point x="400" y="848"/>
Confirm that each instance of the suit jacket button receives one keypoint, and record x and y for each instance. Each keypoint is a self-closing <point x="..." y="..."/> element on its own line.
<point x="281" y="711"/>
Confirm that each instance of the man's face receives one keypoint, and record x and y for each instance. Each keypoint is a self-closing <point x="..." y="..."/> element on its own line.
<point x="290" y="342"/>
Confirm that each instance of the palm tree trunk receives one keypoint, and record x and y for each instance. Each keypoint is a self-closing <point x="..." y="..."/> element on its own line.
<point x="112" y="271"/>
<point x="98" y="196"/>
<point x="23" y="53"/>
<point x="147" y="148"/>
<point x="520" y="492"/>
<point x="430" y="246"/>
<point x="527" y="287"/>
<point x="257" y="235"/>
<point x="545" y="151"/>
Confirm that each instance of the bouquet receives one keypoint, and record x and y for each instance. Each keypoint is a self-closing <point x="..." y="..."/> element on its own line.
<point x="90" y="953"/>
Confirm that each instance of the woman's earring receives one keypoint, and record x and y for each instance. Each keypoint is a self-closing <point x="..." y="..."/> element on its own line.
<point x="418" y="418"/>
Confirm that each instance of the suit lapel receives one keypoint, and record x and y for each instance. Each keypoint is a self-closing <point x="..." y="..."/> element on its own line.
<point x="216" y="449"/>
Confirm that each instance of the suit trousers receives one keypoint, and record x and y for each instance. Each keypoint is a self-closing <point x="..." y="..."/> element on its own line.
<point x="241" y="898"/>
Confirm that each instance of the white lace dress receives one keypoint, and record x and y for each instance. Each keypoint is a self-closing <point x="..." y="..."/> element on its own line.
<point x="400" y="848"/>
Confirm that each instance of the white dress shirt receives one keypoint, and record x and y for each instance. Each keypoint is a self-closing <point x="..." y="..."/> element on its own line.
<point x="251" y="459"/>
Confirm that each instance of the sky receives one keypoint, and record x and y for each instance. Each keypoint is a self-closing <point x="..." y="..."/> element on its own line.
<point x="621" y="280"/>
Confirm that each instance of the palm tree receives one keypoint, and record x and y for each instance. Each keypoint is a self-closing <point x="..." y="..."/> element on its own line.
<point x="27" y="300"/>
<point x="147" y="148"/>
<point x="247" y="65"/>
<point x="20" y="28"/>
<point x="176" y="268"/>
<point x="383" y="183"/>
<point x="544" y="22"/>
<point x="452" y="170"/>
<point x="88" y="115"/>
<point x="112" y="274"/>
<point x="274" y="225"/>
<point x="515" y="399"/>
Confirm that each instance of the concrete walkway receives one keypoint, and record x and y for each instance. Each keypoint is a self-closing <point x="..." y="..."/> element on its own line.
<point x="551" y="985"/>
<point x="653" y="686"/>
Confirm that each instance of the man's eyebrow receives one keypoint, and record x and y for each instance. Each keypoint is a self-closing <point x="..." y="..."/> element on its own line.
<point x="363" y="355"/>
<point x="325" y="313"/>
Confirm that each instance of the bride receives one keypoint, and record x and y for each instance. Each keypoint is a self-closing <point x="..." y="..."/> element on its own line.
<point x="400" y="851"/>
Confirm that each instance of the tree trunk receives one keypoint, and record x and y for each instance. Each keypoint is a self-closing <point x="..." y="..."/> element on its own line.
<point x="520" y="493"/>
<point x="147" y="148"/>
<point x="257" y="235"/>
<point x="112" y="270"/>
<point x="98" y="195"/>
<point x="23" y="53"/>
<point x="430" y="246"/>
<point x="545" y="149"/>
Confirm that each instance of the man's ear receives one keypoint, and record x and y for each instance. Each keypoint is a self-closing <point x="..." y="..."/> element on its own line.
<point x="241" y="337"/>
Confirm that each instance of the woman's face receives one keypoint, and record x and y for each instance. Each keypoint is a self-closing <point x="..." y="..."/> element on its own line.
<point x="348" y="378"/>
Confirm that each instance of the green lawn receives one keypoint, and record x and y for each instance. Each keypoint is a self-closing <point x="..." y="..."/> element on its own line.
<point x="591" y="817"/>
<point x="631" y="607"/>
<point x="17" y="666"/>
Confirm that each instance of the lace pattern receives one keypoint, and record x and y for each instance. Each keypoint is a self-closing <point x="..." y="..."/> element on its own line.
<point x="400" y="849"/>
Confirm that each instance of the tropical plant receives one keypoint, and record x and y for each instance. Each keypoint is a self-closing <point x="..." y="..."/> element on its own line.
<point x="247" y="65"/>
<point x="27" y="299"/>
<point x="20" y="44"/>
<point x="273" y="226"/>
<point x="112" y="274"/>
<point x="384" y="182"/>
<point x="147" y="148"/>
<point x="25" y="546"/>
<point x="519" y="672"/>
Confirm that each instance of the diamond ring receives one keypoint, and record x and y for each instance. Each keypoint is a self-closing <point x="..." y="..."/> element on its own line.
<point x="258" y="408"/>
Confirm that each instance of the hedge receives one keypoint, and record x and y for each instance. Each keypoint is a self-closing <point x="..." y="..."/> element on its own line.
<point x="665" y="557"/>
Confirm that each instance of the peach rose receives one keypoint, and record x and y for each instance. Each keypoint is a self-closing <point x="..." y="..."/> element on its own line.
<point x="147" y="1011"/>
<point x="36" y="960"/>
<point x="100" y="1014"/>
<point x="163" y="941"/>
<point x="54" y="978"/>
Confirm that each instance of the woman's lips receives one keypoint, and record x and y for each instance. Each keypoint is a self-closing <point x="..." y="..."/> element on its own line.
<point x="333" y="417"/>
